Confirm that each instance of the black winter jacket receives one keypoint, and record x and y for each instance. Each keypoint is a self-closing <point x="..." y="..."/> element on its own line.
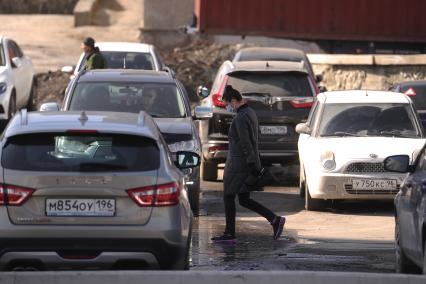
<point x="243" y="150"/>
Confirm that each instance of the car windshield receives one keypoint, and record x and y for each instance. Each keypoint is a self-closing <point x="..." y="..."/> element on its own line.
<point x="80" y="153"/>
<point x="419" y="99"/>
<point x="127" y="60"/>
<point x="158" y="99"/>
<point x="394" y="120"/>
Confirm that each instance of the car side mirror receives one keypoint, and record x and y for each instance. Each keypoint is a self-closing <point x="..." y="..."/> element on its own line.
<point x="303" y="128"/>
<point x="398" y="163"/>
<point x="203" y="92"/>
<point x="186" y="159"/>
<point x="202" y="112"/>
<point x="49" y="107"/>
<point x="68" y="70"/>
<point x="318" y="78"/>
<point x="17" y="62"/>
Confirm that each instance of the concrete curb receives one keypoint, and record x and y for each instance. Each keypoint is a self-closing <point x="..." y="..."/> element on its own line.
<point x="208" y="277"/>
<point x="350" y="59"/>
<point x="83" y="12"/>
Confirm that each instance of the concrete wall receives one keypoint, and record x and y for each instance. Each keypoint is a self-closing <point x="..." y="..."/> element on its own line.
<point x="373" y="72"/>
<point x="83" y="12"/>
<point x="163" y="22"/>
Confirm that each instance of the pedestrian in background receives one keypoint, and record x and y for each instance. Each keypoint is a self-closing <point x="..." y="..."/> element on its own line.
<point x="242" y="162"/>
<point x="92" y="56"/>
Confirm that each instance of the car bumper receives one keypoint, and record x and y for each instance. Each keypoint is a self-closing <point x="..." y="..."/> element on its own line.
<point x="340" y="186"/>
<point x="159" y="243"/>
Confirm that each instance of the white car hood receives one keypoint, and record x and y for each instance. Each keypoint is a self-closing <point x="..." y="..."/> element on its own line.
<point x="352" y="148"/>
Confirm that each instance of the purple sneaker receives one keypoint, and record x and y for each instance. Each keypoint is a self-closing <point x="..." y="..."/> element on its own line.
<point x="225" y="238"/>
<point x="278" y="226"/>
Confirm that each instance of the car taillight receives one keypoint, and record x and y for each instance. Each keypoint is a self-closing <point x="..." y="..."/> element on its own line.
<point x="302" y="103"/>
<point x="217" y="100"/>
<point x="14" y="195"/>
<point x="156" y="195"/>
<point x="217" y="97"/>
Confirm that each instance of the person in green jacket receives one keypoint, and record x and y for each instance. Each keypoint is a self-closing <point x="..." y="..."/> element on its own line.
<point x="93" y="57"/>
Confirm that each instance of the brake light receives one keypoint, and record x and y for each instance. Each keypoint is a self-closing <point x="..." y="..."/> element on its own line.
<point x="217" y="97"/>
<point x="213" y="149"/>
<point x="14" y="195"/>
<point x="302" y="103"/>
<point x="217" y="100"/>
<point x="156" y="195"/>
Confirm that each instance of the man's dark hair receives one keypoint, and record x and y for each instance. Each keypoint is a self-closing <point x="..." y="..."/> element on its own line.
<point x="231" y="93"/>
<point x="90" y="42"/>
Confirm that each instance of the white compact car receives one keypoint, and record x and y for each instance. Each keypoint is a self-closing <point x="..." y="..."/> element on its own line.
<point x="16" y="78"/>
<point x="347" y="136"/>
<point x="123" y="55"/>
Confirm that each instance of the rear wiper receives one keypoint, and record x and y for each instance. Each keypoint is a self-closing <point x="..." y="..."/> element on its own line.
<point x="101" y="167"/>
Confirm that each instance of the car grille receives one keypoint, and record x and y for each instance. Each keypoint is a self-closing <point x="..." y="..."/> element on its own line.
<point x="349" y="190"/>
<point x="365" y="168"/>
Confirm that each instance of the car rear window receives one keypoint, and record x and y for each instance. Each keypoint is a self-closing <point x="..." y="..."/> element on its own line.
<point x="270" y="84"/>
<point x="127" y="60"/>
<point x="419" y="99"/>
<point x="80" y="153"/>
<point x="2" y="60"/>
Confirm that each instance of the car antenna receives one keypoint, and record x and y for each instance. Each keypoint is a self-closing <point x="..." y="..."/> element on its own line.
<point x="83" y="117"/>
<point x="267" y="64"/>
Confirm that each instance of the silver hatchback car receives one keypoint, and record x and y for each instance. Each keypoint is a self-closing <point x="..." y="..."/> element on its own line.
<point x="95" y="190"/>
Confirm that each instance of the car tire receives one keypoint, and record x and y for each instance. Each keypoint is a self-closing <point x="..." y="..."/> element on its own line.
<point x="424" y="256"/>
<point x="312" y="204"/>
<point x="209" y="171"/>
<point x="302" y="182"/>
<point x="194" y="198"/>
<point x="12" y="106"/>
<point x="402" y="263"/>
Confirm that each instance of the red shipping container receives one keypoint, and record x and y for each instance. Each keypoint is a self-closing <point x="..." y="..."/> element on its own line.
<point x="364" y="20"/>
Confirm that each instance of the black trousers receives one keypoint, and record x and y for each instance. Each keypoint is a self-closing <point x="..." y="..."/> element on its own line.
<point x="247" y="202"/>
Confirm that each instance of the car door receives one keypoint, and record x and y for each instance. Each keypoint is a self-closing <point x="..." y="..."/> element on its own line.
<point x="19" y="72"/>
<point x="27" y="73"/>
<point x="305" y="139"/>
<point x="407" y="208"/>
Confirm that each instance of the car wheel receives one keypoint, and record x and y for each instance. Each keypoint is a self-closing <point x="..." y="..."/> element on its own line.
<point x="424" y="257"/>
<point x="209" y="171"/>
<point x="302" y="183"/>
<point x="12" y="106"/>
<point x="312" y="204"/>
<point x="402" y="263"/>
<point x="194" y="198"/>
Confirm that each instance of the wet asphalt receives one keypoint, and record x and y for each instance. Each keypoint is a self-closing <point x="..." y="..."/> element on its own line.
<point x="357" y="250"/>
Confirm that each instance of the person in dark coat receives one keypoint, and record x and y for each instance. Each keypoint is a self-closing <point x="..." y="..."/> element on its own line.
<point x="93" y="57"/>
<point x="242" y="161"/>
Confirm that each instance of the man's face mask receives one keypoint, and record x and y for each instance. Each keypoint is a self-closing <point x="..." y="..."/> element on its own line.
<point x="230" y="108"/>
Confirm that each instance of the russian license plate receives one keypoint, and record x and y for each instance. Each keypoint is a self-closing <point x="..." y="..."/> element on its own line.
<point x="273" y="130"/>
<point x="374" y="183"/>
<point x="80" y="207"/>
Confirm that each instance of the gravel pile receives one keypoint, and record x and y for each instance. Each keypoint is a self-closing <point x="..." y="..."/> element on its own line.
<point x="197" y="63"/>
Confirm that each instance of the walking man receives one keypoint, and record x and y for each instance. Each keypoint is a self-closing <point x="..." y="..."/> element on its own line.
<point x="242" y="161"/>
<point x="93" y="57"/>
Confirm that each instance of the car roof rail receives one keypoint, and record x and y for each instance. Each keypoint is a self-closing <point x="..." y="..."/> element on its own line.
<point x="170" y="71"/>
<point x="141" y="118"/>
<point x="24" y="116"/>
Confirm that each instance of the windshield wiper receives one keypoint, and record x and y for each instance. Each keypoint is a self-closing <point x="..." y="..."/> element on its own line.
<point x="397" y="133"/>
<point x="95" y="167"/>
<point x="342" y="134"/>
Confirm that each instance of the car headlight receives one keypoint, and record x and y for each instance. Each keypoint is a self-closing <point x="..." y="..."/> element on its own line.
<point x="3" y="87"/>
<point x="327" y="160"/>
<point x="189" y="145"/>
